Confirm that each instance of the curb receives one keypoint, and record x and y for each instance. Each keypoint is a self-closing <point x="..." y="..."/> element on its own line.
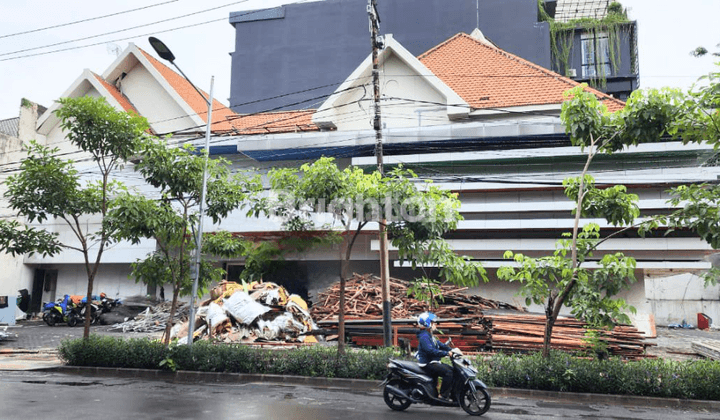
<point x="188" y="376"/>
<point x="365" y="385"/>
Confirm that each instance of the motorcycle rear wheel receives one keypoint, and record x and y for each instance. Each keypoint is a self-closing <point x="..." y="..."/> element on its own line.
<point x="72" y="321"/>
<point x="477" y="404"/>
<point x="393" y="401"/>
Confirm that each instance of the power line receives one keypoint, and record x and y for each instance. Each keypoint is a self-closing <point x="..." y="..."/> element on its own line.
<point x="85" y="20"/>
<point x="130" y="37"/>
<point x="122" y="30"/>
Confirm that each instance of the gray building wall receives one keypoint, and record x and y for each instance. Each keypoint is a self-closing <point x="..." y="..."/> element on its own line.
<point x="303" y="46"/>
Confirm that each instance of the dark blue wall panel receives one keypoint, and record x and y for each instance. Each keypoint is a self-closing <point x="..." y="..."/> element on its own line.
<point x="304" y="46"/>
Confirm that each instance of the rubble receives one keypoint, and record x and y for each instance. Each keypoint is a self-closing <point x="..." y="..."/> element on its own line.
<point x="252" y="312"/>
<point x="153" y="318"/>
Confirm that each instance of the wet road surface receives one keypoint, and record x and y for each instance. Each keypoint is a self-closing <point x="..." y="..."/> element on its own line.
<point x="26" y="395"/>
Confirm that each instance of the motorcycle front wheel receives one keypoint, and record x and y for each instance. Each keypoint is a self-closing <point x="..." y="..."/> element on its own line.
<point x="475" y="404"/>
<point x="49" y="319"/>
<point x="393" y="401"/>
<point x="72" y="321"/>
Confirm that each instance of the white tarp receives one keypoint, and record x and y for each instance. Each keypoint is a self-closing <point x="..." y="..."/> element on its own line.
<point x="243" y="308"/>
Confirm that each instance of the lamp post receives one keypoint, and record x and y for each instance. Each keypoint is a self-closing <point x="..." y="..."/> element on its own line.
<point x="164" y="52"/>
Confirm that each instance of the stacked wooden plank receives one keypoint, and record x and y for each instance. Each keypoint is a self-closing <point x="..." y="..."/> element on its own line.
<point x="363" y="299"/>
<point x="525" y="332"/>
<point x="474" y="323"/>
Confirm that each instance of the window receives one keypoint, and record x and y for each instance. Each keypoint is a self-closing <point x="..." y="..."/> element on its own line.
<point x="595" y="54"/>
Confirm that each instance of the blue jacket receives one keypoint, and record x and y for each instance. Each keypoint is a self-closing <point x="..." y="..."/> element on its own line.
<point x="429" y="348"/>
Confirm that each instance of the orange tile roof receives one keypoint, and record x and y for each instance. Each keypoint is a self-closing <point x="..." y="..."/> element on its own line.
<point x="190" y="96"/>
<point x="224" y="120"/>
<point x="488" y="77"/>
<point x="122" y="99"/>
<point x="273" y="122"/>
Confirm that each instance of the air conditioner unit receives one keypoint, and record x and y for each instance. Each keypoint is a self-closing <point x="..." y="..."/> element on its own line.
<point x="572" y="72"/>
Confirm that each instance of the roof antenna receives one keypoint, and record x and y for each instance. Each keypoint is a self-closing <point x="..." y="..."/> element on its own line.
<point x="477" y="11"/>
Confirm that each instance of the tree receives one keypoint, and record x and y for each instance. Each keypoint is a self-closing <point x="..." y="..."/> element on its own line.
<point x="702" y="51"/>
<point x="50" y="187"/>
<point x="417" y="218"/>
<point x="698" y="121"/>
<point x="171" y="219"/>
<point x="560" y="280"/>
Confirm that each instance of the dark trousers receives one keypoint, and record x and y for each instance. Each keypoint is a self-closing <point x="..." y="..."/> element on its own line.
<point x="443" y="371"/>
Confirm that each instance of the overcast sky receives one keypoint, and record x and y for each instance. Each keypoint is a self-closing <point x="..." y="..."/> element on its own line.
<point x="668" y="31"/>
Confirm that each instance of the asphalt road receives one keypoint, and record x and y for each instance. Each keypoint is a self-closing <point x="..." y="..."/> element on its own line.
<point x="25" y="395"/>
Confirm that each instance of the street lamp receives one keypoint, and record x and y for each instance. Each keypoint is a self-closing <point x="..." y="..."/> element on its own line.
<point x="164" y="52"/>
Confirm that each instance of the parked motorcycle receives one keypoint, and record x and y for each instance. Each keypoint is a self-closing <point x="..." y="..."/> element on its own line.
<point x="108" y="304"/>
<point x="407" y="383"/>
<point x="77" y="313"/>
<point x="55" y="312"/>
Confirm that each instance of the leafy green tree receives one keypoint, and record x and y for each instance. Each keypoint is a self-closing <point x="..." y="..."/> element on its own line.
<point x="50" y="187"/>
<point x="417" y="218"/>
<point x="561" y="280"/>
<point x="698" y="121"/>
<point x="177" y="175"/>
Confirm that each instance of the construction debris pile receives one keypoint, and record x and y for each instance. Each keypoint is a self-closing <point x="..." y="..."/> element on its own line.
<point x="153" y="318"/>
<point x="472" y="322"/>
<point x="4" y="335"/>
<point x="248" y="313"/>
<point x="363" y="299"/>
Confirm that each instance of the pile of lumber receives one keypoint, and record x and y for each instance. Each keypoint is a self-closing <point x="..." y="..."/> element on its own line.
<point x="525" y="333"/>
<point x="473" y="323"/>
<point x="363" y="300"/>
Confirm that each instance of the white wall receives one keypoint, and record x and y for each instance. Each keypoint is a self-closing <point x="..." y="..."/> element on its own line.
<point x="416" y="104"/>
<point x="112" y="279"/>
<point x="674" y="298"/>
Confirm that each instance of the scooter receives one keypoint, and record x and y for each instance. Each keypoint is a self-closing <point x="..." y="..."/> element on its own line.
<point x="54" y="312"/>
<point x="407" y="383"/>
<point x="76" y="315"/>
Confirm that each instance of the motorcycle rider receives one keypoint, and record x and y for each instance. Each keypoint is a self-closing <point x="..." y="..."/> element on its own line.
<point x="430" y="351"/>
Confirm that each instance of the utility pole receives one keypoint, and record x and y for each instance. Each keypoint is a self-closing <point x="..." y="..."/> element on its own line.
<point x="376" y="43"/>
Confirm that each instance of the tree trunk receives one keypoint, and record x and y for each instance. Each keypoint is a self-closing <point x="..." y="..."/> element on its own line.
<point x="88" y="308"/>
<point x="341" y="313"/>
<point x="345" y="252"/>
<point x="173" y="307"/>
<point x="550" y="318"/>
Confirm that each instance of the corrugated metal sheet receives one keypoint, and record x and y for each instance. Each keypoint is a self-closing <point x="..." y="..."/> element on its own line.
<point x="10" y="126"/>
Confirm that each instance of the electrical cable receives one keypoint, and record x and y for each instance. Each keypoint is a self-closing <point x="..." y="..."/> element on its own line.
<point x="130" y="37"/>
<point x="85" y="20"/>
<point x="121" y="30"/>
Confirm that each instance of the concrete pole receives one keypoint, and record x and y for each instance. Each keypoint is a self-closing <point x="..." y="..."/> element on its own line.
<point x="198" y="248"/>
<point x="377" y="124"/>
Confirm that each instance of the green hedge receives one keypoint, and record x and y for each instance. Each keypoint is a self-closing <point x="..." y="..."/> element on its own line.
<point x="205" y="356"/>
<point x="699" y="379"/>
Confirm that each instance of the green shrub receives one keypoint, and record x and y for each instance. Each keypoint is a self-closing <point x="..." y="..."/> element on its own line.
<point x="206" y="356"/>
<point x="699" y="379"/>
<point x="112" y="352"/>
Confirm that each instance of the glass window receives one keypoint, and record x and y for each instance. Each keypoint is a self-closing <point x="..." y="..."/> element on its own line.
<point x="595" y="54"/>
